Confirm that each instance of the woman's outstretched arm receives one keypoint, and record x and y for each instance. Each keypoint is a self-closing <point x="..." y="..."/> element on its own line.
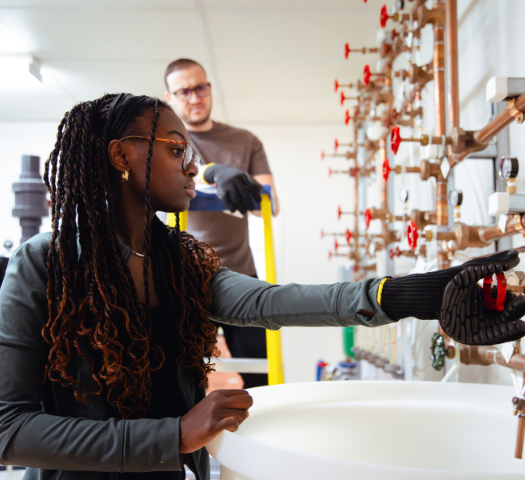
<point x="245" y="301"/>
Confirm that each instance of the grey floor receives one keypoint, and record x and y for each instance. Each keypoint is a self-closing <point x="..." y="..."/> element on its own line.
<point x="215" y="471"/>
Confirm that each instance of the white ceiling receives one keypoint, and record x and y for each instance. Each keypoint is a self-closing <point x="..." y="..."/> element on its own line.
<point x="270" y="61"/>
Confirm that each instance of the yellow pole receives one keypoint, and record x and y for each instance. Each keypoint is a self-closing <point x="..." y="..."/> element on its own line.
<point x="273" y="337"/>
<point x="183" y="217"/>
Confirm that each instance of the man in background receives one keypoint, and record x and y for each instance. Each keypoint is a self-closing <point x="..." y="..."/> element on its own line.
<point x="236" y="162"/>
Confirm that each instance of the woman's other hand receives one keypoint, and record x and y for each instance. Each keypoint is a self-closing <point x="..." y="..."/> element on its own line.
<point x="220" y="410"/>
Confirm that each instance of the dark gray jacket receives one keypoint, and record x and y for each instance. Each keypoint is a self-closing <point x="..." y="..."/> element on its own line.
<point x="44" y="428"/>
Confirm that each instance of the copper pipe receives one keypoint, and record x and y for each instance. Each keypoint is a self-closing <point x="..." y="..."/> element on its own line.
<point x="488" y="355"/>
<point x="442" y="203"/>
<point x="496" y="125"/>
<point x="439" y="77"/>
<point x="514" y="225"/>
<point x="452" y="60"/>
<point x="384" y="193"/>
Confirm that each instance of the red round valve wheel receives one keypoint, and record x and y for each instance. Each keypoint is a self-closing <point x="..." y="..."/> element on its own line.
<point x="336" y="245"/>
<point x="330" y="171"/>
<point x="395" y="139"/>
<point x="386" y="48"/>
<point x="347" y="50"/>
<point x="368" y="218"/>
<point x="339" y="213"/>
<point x="383" y="18"/>
<point x="347" y="117"/>
<point x="366" y="74"/>
<point x="354" y="172"/>
<point x="322" y="154"/>
<point x="336" y="144"/>
<point x="386" y="169"/>
<point x="342" y="97"/>
<point x="322" y="234"/>
<point x="348" y="235"/>
<point x="497" y="303"/>
<point x="391" y="254"/>
<point x="336" y="84"/>
<point x="412" y="235"/>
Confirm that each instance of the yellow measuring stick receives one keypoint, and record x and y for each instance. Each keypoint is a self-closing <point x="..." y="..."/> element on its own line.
<point x="273" y="337"/>
<point x="183" y="217"/>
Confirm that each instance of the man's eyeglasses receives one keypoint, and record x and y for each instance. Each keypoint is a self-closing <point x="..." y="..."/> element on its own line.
<point x="202" y="90"/>
<point x="180" y="149"/>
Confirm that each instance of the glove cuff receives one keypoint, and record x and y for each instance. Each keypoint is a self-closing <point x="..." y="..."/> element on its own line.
<point x="205" y="175"/>
<point x="417" y="295"/>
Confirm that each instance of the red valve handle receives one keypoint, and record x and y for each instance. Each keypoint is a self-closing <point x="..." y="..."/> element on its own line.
<point x="339" y="213"/>
<point x="342" y="97"/>
<point x="368" y="218"/>
<point x="497" y="303"/>
<point x="347" y="50"/>
<point x="366" y="75"/>
<point x="330" y="171"/>
<point x="336" y="85"/>
<point x="395" y="139"/>
<point x="383" y="18"/>
<point x="329" y="255"/>
<point x="386" y="169"/>
<point x="355" y="268"/>
<point x="394" y="114"/>
<point x="394" y="34"/>
<point x="394" y="253"/>
<point x="412" y="235"/>
<point x="354" y="172"/>
<point x="322" y="154"/>
<point x="322" y="234"/>
<point x="336" y="245"/>
<point x="348" y="235"/>
<point x="347" y="117"/>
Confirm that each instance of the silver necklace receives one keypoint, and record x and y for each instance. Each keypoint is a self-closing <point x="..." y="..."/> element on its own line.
<point x="137" y="254"/>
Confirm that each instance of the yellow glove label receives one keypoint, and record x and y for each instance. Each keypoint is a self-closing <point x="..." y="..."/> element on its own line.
<point x="380" y="290"/>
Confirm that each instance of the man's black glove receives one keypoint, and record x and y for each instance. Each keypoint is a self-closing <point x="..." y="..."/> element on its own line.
<point x="237" y="189"/>
<point x="456" y="300"/>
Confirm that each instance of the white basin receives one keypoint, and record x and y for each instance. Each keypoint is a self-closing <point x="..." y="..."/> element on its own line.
<point x="373" y="430"/>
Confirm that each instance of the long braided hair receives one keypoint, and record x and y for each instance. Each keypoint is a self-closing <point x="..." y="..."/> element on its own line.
<point x="94" y="308"/>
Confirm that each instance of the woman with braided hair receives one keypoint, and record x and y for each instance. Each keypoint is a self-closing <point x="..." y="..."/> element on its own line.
<point x="105" y="338"/>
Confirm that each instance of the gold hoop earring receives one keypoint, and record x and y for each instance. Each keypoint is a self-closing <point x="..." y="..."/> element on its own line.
<point x="125" y="175"/>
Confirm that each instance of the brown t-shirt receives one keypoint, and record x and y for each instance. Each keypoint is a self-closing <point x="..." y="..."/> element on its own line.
<point x="228" y="234"/>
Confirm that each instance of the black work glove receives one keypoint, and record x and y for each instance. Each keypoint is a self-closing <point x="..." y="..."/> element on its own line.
<point x="456" y="300"/>
<point x="237" y="189"/>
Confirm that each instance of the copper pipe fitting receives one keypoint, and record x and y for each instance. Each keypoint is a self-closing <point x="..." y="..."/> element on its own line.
<point x="422" y="219"/>
<point x="429" y="169"/>
<point x="435" y="15"/>
<point x="421" y="75"/>
<point x="488" y="355"/>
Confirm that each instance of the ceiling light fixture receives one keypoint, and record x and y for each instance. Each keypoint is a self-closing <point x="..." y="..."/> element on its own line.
<point x="19" y="71"/>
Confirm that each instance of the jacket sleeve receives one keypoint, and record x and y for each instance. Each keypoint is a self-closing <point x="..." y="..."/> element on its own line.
<point x="29" y="436"/>
<point x="245" y="301"/>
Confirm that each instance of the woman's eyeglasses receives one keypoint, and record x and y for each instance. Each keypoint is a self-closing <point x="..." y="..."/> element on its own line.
<point x="184" y="94"/>
<point x="181" y="150"/>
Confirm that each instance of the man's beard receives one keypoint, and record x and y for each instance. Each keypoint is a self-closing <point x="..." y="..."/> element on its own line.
<point x="195" y="123"/>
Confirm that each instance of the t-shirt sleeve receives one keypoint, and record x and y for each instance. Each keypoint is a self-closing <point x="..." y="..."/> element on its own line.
<point x="258" y="161"/>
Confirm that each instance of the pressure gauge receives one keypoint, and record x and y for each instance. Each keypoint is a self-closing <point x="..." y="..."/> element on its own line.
<point x="455" y="198"/>
<point x="508" y="168"/>
<point x="403" y="196"/>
